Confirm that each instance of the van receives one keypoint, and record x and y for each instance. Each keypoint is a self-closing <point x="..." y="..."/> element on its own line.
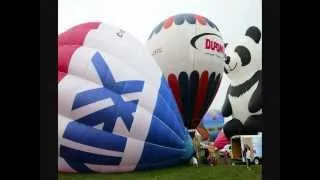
<point x="238" y="143"/>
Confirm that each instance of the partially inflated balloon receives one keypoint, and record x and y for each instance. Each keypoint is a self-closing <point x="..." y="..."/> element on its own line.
<point x="114" y="114"/>
<point x="212" y="125"/>
<point x="244" y="96"/>
<point x="190" y="51"/>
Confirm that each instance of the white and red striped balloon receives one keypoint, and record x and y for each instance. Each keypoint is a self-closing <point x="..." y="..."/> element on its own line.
<point x="190" y="51"/>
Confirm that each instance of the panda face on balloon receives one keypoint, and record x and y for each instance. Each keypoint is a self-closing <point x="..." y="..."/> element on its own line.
<point x="244" y="58"/>
<point x="243" y="67"/>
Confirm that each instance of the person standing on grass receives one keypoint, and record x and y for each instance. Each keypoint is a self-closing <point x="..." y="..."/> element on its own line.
<point x="211" y="155"/>
<point x="248" y="157"/>
<point x="244" y="153"/>
<point x="225" y="157"/>
<point x="206" y="155"/>
<point x="196" y="146"/>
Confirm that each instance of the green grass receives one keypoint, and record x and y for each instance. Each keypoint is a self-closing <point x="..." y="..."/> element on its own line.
<point x="219" y="172"/>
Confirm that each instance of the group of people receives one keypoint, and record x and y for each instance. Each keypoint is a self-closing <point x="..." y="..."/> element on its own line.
<point x="211" y="154"/>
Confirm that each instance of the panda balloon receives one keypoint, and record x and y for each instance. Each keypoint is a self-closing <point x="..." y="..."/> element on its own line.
<point x="243" y="66"/>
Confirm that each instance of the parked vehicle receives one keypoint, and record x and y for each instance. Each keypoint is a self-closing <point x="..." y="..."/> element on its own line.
<point x="238" y="144"/>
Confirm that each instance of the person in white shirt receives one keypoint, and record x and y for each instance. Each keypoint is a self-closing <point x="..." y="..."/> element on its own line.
<point x="248" y="157"/>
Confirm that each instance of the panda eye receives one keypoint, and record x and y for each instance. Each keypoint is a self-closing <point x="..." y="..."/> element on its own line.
<point x="244" y="55"/>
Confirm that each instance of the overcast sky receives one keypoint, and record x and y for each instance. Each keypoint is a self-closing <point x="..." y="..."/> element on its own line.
<point x="139" y="17"/>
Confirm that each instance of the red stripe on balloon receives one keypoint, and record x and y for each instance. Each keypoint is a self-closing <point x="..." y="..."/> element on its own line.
<point x="174" y="86"/>
<point x="201" y="20"/>
<point x="61" y="75"/>
<point x="65" y="53"/>
<point x="77" y="34"/>
<point x="168" y="23"/>
<point x="68" y="42"/>
<point x="201" y="94"/>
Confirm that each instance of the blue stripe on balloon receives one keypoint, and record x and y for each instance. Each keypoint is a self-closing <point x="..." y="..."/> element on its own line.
<point x="91" y="96"/>
<point x="167" y="94"/>
<point x="179" y="19"/>
<point x="107" y="115"/>
<point x="188" y="148"/>
<point x="90" y="136"/>
<point x="112" y="90"/>
<point x="154" y="156"/>
<point x="157" y="165"/>
<point x="158" y="150"/>
<point x="108" y="80"/>
<point x="161" y="134"/>
<point x="124" y="87"/>
<point x="153" y="153"/>
<point x="78" y="166"/>
<point x="150" y="35"/>
<point x="158" y="28"/>
<point x="194" y="81"/>
<point x="185" y="98"/>
<point x="190" y="18"/>
<point x="168" y="113"/>
<point x="211" y="24"/>
<point x="188" y="104"/>
<point x="211" y="92"/>
<point x="103" y="70"/>
<point x="86" y="157"/>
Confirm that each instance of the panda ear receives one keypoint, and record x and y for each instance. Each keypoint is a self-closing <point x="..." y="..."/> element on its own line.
<point x="225" y="45"/>
<point x="254" y="33"/>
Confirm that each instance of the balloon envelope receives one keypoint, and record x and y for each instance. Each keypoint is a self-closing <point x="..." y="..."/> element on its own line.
<point x="114" y="115"/>
<point x="244" y="100"/>
<point x="221" y="140"/>
<point x="190" y="51"/>
<point x="212" y="124"/>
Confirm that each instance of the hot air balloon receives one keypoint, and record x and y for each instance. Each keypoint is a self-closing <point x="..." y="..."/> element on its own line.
<point x="243" y="100"/>
<point x="114" y="115"/>
<point x="190" y="51"/>
<point x="210" y="126"/>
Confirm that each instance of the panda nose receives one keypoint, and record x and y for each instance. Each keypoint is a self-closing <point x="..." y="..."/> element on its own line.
<point x="228" y="60"/>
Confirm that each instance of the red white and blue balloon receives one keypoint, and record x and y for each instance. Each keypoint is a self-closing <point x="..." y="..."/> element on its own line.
<point x="114" y="114"/>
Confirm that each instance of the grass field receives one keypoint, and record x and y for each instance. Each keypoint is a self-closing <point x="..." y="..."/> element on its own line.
<point x="219" y="172"/>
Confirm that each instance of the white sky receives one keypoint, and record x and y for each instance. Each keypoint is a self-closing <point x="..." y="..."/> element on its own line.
<point x="139" y="17"/>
